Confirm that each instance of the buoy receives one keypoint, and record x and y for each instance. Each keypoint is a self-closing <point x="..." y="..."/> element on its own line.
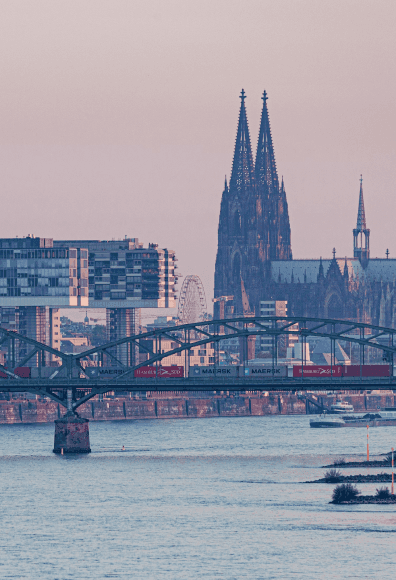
<point x="368" y="452"/>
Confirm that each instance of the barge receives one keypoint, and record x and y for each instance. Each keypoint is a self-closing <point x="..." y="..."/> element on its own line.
<point x="381" y="419"/>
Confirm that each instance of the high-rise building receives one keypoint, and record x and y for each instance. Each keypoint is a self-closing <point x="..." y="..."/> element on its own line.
<point x="35" y="273"/>
<point x="39" y="275"/>
<point x="124" y="277"/>
<point x="124" y="274"/>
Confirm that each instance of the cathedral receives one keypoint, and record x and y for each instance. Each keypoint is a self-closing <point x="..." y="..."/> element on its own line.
<point x="254" y="260"/>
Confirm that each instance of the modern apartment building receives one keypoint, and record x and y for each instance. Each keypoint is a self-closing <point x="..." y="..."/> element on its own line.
<point x="36" y="280"/>
<point x="124" y="274"/>
<point x="35" y="273"/>
<point x="40" y="275"/>
<point x="124" y="277"/>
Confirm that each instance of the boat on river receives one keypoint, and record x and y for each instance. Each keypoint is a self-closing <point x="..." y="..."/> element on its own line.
<point x="327" y="421"/>
<point x="341" y="407"/>
<point x="381" y="419"/>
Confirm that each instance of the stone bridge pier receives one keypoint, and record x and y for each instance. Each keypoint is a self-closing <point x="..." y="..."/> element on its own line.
<point x="71" y="431"/>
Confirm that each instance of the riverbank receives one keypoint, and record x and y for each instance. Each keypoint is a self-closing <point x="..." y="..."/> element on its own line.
<point x="386" y="462"/>
<point x="367" y="499"/>
<point x="375" y="478"/>
<point x="157" y="405"/>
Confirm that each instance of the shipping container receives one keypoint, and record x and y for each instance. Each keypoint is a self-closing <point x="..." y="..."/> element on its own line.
<point x="213" y="371"/>
<point x="103" y="372"/>
<point x="47" y="372"/>
<point x="145" y="372"/>
<point x="173" y="372"/>
<point x="367" y="371"/>
<point x="321" y="372"/>
<point x="23" y="372"/>
<point x="266" y="372"/>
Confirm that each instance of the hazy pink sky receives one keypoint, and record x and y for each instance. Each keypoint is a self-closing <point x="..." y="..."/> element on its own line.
<point x="119" y="118"/>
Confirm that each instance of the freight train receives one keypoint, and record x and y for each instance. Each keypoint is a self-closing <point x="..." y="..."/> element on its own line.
<point x="210" y="372"/>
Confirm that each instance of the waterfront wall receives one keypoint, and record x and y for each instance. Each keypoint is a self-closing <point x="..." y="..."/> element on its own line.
<point x="35" y="411"/>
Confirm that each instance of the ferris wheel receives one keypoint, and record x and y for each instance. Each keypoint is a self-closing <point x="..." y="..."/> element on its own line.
<point x="192" y="301"/>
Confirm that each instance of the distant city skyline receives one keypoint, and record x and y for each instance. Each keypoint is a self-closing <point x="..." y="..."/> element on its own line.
<point x="119" y="119"/>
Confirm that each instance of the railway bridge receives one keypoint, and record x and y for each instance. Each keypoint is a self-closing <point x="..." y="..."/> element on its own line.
<point x="72" y="383"/>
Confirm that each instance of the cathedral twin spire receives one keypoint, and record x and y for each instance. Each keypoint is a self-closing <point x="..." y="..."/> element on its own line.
<point x="254" y="221"/>
<point x="242" y="175"/>
<point x="265" y="169"/>
<point x="244" y="172"/>
<point x="260" y="182"/>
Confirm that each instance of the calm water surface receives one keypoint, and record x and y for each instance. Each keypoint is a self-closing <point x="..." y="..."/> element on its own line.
<point x="189" y="499"/>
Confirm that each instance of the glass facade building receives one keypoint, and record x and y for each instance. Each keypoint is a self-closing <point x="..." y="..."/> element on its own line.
<point x="40" y="275"/>
<point x="123" y="274"/>
<point x="34" y="273"/>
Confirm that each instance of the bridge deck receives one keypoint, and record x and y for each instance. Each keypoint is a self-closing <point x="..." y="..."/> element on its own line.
<point x="199" y="384"/>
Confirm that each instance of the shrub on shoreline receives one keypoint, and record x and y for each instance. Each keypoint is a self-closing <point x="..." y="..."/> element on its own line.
<point x="332" y="476"/>
<point x="345" y="492"/>
<point x="382" y="493"/>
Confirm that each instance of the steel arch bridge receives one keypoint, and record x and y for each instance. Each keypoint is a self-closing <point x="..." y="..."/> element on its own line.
<point x="70" y="385"/>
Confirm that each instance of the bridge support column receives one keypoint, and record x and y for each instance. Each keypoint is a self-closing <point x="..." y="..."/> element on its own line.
<point x="71" y="435"/>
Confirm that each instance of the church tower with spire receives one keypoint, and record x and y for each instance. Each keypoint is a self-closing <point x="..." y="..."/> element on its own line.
<point x="254" y="223"/>
<point x="272" y="195"/>
<point x="236" y="220"/>
<point x="361" y="249"/>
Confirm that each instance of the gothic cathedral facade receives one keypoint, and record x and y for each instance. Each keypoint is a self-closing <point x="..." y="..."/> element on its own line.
<point x="254" y="260"/>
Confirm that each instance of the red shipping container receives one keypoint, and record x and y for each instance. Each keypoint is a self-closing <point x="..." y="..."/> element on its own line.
<point x="171" y="372"/>
<point x="163" y="372"/>
<point x="367" y="371"/>
<point x="23" y="372"/>
<point x="322" y="372"/>
<point x="145" y="372"/>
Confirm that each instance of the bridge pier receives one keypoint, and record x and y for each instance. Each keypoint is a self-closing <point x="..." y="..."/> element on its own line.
<point x="71" y="434"/>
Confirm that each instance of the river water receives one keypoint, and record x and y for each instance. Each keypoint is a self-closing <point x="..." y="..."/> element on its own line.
<point x="189" y="499"/>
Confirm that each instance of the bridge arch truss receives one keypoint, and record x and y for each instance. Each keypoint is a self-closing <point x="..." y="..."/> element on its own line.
<point x="63" y="387"/>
